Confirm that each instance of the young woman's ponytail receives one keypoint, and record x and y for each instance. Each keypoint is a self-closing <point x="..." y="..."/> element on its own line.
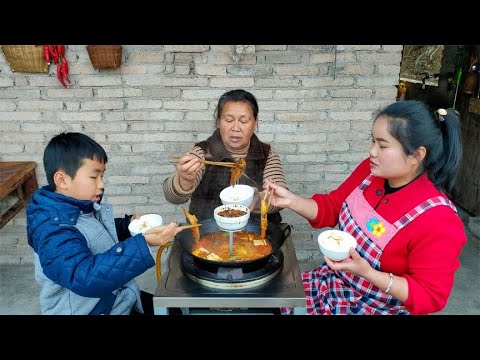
<point x="414" y="125"/>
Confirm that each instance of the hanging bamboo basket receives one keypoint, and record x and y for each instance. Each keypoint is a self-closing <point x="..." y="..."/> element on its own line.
<point x="105" y="56"/>
<point x="25" y="58"/>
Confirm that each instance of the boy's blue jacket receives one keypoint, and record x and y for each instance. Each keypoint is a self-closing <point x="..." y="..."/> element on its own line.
<point x="70" y="260"/>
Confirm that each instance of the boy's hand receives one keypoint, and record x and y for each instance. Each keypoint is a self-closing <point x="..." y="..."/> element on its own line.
<point x="135" y="217"/>
<point x="163" y="236"/>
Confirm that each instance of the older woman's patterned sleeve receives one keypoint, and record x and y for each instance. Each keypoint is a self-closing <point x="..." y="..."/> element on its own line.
<point x="274" y="172"/>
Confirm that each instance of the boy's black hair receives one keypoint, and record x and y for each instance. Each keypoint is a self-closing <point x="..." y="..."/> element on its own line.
<point x="67" y="151"/>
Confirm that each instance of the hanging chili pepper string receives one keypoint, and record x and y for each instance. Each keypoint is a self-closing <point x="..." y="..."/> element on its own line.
<point x="56" y="54"/>
<point x="61" y="50"/>
<point x="46" y="54"/>
<point x="64" y="69"/>
<point x="60" y="75"/>
<point x="53" y="52"/>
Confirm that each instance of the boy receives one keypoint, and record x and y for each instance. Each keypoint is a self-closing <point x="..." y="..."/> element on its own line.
<point x="85" y="260"/>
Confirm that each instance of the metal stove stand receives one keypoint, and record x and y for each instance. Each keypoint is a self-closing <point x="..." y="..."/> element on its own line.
<point x="176" y="292"/>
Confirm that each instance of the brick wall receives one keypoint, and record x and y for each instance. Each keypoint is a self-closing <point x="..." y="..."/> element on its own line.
<point x="315" y="103"/>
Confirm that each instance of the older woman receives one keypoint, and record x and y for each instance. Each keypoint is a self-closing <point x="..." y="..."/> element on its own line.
<point x="236" y="120"/>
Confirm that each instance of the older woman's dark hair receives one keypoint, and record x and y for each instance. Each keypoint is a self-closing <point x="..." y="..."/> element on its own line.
<point x="236" y="96"/>
<point x="67" y="151"/>
<point x="413" y="124"/>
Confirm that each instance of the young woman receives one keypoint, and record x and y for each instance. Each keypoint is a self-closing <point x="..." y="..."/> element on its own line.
<point x="395" y="204"/>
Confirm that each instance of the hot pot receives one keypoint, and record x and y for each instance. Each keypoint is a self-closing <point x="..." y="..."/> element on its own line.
<point x="275" y="235"/>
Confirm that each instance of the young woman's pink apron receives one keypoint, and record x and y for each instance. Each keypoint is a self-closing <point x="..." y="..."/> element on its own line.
<point x="330" y="292"/>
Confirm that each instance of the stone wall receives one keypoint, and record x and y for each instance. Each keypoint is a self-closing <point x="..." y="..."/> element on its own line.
<point x="316" y="104"/>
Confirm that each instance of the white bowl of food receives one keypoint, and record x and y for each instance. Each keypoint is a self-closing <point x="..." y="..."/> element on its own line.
<point x="231" y="217"/>
<point x="237" y="195"/>
<point x="335" y="244"/>
<point x="144" y="223"/>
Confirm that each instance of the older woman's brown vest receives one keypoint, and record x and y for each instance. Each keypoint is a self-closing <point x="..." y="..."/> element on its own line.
<point x="206" y="196"/>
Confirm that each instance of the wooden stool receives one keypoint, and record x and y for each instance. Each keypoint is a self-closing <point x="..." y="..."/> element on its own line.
<point x="16" y="177"/>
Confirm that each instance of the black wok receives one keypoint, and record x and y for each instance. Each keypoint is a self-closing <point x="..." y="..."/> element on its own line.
<point x="275" y="235"/>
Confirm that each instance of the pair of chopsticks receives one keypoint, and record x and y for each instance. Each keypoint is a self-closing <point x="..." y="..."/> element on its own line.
<point x="207" y="162"/>
<point x="161" y="228"/>
<point x="268" y="194"/>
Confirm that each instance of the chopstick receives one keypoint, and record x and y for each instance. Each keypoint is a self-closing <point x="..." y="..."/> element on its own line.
<point x="268" y="194"/>
<point x="219" y="163"/>
<point x="161" y="228"/>
<point x="265" y="195"/>
<point x="207" y="162"/>
<point x="189" y="226"/>
<point x="269" y="199"/>
<point x="249" y="178"/>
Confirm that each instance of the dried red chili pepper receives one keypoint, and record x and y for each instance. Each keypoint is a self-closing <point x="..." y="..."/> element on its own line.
<point x="46" y="54"/>
<point x="60" y="75"/>
<point x="64" y="69"/>
<point x="53" y="52"/>
<point x="61" y="50"/>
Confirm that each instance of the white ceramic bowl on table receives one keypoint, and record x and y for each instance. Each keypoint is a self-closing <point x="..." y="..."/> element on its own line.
<point x="335" y="244"/>
<point x="231" y="223"/>
<point x="145" y="223"/>
<point x="237" y="195"/>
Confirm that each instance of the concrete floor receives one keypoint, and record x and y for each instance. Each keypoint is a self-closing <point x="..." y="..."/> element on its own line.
<point x="19" y="292"/>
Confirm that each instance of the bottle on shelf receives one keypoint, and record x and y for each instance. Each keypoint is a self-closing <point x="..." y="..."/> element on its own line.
<point x="402" y="90"/>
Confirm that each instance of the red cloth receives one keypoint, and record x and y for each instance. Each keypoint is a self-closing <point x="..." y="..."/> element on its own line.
<point x="425" y="252"/>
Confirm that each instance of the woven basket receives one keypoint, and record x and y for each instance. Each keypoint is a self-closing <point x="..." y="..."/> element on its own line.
<point x="105" y="56"/>
<point x="25" y="58"/>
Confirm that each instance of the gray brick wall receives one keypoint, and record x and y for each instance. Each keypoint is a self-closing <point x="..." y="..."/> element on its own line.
<point x="315" y="112"/>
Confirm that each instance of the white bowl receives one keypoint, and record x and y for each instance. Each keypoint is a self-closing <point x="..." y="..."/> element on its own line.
<point x="336" y="249"/>
<point x="145" y="223"/>
<point x="237" y="195"/>
<point x="231" y="223"/>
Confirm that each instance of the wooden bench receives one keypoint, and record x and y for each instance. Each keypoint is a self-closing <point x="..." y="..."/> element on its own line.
<point x="16" y="178"/>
